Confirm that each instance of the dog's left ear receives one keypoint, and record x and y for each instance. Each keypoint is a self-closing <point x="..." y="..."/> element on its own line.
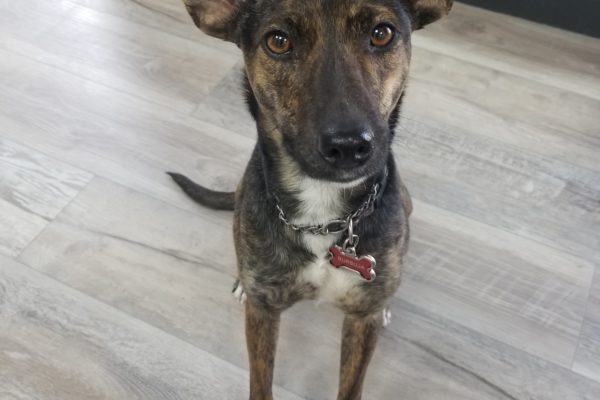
<point x="425" y="12"/>
<point x="215" y="17"/>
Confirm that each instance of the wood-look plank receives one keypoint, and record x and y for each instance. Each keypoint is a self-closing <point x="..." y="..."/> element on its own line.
<point x="56" y="343"/>
<point x="544" y="199"/>
<point x="512" y="374"/>
<point x="134" y="58"/>
<point x="35" y="182"/>
<point x="17" y="228"/>
<point x="587" y="359"/>
<point x="125" y="214"/>
<point x="514" y="290"/>
<point x="161" y="264"/>
<point x="168" y="16"/>
<point x="114" y="135"/>
<point x="533" y="51"/>
<point x="445" y="92"/>
<point x="227" y="99"/>
<point x="34" y="188"/>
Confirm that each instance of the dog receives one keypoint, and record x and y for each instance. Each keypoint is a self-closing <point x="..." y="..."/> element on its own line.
<point x="321" y="212"/>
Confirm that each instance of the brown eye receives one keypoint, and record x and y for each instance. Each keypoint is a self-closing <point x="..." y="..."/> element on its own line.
<point x="382" y="35"/>
<point x="278" y="43"/>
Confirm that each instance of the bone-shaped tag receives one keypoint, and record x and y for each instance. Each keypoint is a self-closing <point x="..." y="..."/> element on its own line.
<point x="364" y="266"/>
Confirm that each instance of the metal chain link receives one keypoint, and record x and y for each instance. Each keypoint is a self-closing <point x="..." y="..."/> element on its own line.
<point x="336" y="225"/>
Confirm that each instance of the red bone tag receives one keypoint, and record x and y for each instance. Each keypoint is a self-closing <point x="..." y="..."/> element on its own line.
<point x="364" y="266"/>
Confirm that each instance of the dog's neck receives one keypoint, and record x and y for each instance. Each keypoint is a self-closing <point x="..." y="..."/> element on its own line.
<point x="322" y="201"/>
<point x="309" y="201"/>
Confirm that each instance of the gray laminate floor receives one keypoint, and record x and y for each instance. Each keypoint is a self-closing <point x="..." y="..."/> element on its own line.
<point x="113" y="285"/>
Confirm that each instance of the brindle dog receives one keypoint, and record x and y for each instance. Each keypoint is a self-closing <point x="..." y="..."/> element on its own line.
<point x="324" y="81"/>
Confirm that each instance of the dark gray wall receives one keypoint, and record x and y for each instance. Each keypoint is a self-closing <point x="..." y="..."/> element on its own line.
<point x="581" y="16"/>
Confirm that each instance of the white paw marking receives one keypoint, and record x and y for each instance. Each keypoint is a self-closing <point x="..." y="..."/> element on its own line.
<point x="239" y="293"/>
<point x="387" y="317"/>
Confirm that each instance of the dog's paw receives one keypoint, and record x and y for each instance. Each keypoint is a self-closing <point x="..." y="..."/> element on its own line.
<point x="387" y="317"/>
<point x="238" y="292"/>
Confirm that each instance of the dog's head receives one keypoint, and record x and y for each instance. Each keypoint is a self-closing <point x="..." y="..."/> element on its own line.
<point x="325" y="76"/>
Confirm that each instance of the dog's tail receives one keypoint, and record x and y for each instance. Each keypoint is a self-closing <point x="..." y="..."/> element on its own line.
<point x="209" y="198"/>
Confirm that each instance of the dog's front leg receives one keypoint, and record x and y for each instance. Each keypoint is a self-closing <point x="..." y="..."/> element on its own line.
<point x="359" y="337"/>
<point x="262" y="328"/>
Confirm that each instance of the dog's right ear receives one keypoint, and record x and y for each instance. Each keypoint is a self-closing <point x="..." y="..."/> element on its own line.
<point x="215" y="17"/>
<point x="425" y="12"/>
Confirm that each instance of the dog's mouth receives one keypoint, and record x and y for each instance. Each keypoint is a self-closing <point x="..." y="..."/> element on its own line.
<point x="339" y="166"/>
<point x="350" y="176"/>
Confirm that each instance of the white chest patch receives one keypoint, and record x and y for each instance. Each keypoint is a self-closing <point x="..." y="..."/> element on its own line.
<point x="322" y="202"/>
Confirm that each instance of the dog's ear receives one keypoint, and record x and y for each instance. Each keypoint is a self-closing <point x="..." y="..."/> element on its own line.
<point x="215" y="17"/>
<point x="427" y="11"/>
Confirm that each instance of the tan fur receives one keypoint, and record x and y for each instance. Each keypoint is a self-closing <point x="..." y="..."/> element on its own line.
<point x="261" y="337"/>
<point x="212" y="16"/>
<point x="359" y="337"/>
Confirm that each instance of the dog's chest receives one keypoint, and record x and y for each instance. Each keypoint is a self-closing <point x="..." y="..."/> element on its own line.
<point x="332" y="284"/>
<point x="322" y="202"/>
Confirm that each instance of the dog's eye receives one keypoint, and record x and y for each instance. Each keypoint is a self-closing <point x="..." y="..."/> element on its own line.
<point x="278" y="43"/>
<point x="382" y="36"/>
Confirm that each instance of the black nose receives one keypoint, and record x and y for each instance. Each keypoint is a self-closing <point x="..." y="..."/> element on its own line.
<point x="347" y="149"/>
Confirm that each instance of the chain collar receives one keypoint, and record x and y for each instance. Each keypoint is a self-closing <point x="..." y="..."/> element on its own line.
<point x="337" y="225"/>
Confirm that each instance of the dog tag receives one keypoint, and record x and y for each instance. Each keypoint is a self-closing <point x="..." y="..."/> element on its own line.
<point x="347" y="259"/>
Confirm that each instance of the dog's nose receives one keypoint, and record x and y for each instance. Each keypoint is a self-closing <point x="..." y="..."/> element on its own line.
<point x="347" y="149"/>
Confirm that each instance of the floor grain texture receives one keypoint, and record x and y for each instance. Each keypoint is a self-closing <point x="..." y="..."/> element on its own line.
<point x="57" y="343"/>
<point x="114" y="285"/>
<point x="33" y="190"/>
<point x="587" y="360"/>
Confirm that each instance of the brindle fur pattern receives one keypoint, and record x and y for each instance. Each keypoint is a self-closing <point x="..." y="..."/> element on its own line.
<point x="270" y="255"/>
<point x="261" y="348"/>
<point x="359" y="337"/>
<point x="331" y="80"/>
<point x="329" y="77"/>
